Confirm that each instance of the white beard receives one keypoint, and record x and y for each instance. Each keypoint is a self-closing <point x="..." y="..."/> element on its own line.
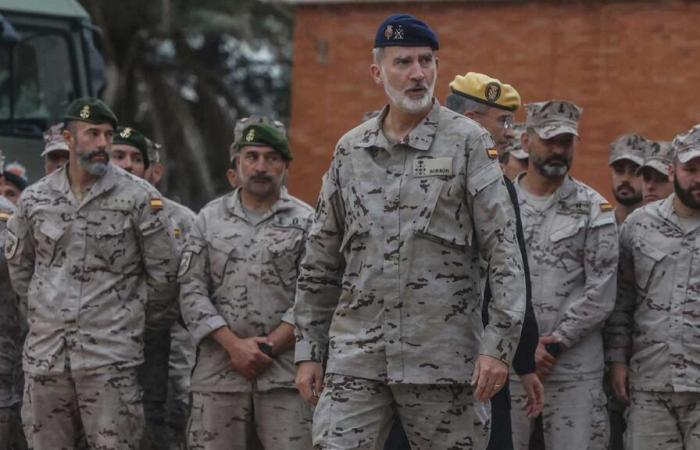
<point x="409" y="105"/>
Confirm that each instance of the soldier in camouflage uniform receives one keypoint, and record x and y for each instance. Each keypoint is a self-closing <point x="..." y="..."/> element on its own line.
<point x="492" y="104"/>
<point x="657" y="175"/>
<point x="389" y="291"/>
<point x="130" y="151"/>
<point x="87" y="247"/>
<point x="513" y="158"/>
<point x="182" y="347"/>
<point x="11" y="437"/>
<point x="238" y="276"/>
<point x="55" y="151"/>
<point x="651" y="337"/>
<point x="572" y="250"/>
<point x="626" y="157"/>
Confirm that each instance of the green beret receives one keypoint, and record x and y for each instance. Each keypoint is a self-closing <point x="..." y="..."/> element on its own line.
<point x="133" y="137"/>
<point x="91" y="110"/>
<point x="260" y="135"/>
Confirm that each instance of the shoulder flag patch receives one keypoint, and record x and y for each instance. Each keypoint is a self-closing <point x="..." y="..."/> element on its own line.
<point x="156" y="204"/>
<point x="492" y="152"/>
<point x="605" y="207"/>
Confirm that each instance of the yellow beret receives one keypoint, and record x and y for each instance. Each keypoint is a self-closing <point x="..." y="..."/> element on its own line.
<point x="484" y="89"/>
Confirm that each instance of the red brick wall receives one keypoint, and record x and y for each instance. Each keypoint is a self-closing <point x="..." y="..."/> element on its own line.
<point x="632" y="65"/>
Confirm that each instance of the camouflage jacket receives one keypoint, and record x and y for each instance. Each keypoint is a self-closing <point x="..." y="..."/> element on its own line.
<point x="572" y="251"/>
<point x="10" y="320"/>
<point x="654" y="327"/>
<point x="86" y="270"/>
<point x="182" y="219"/>
<point x="390" y="284"/>
<point x="241" y="275"/>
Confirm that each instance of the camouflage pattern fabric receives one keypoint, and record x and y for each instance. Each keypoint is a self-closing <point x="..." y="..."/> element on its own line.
<point x="180" y="365"/>
<point x="230" y="420"/>
<point x="84" y="269"/>
<point x="663" y="421"/>
<point x="657" y="305"/>
<point x="355" y="413"/>
<point x="106" y="402"/>
<point x="237" y="274"/>
<point x="389" y="289"/>
<point x="574" y="416"/>
<point x="572" y="250"/>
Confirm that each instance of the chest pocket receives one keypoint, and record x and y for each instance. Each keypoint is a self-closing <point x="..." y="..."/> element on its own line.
<point x="47" y="239"/>
<point x="117" y="245"/>
<point x="447" y="219"/>
<point x="646" y="258"/>
<point x="568" y="244"/>
<point x="284" y="251"/>
<point x="222" y="254"/>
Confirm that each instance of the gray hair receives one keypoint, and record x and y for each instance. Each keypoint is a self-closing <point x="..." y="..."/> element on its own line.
<point x="462" y="105"/>
<point x="377" y="54"/>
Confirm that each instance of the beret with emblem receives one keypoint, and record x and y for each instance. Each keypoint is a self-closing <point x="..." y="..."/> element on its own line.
<point x="133" y="137"/>
<point x="404" y="30"/>
<point x="553" y="117"/>
<point x="484" y="89"/>
<point x="686" y="146"/>
<point x="659" y="156"/>
<point x="91" y="110"/>
<point x="263" y="135"/>
<point x="245" y="122"/>
<point x="631" y="147"/>
<point x="53" y="140"/>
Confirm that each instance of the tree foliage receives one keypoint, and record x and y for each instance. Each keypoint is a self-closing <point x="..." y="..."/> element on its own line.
<point x="184" y="71"/>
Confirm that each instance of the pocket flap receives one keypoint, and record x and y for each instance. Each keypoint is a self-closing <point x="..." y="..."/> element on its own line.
<point x="567" y="231"/>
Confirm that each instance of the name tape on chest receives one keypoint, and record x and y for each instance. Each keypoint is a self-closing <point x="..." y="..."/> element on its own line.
<point x="432" y="167"/>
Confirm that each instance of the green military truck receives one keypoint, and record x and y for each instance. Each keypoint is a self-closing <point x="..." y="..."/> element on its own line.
<point x="48" y="57"/>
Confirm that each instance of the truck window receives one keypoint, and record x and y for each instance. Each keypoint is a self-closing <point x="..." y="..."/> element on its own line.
<point x="36" y="81"/>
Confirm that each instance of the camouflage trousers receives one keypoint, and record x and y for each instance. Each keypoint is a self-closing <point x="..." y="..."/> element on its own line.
<point x="230" y="420"/>
<point x="663" y="421"/>
<point x="182" y="357"/>
<point x="355" y="413"/>
<point x="107" y="404"/>
<point x="574" y="416"/>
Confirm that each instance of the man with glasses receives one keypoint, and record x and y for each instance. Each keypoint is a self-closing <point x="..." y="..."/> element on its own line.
<point x="492" y="104"/>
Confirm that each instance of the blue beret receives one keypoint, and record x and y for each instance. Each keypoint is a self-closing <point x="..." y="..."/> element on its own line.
<point x="405" y="30"/>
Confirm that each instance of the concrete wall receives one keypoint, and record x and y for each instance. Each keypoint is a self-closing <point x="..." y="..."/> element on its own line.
<point x="633" y="66"/>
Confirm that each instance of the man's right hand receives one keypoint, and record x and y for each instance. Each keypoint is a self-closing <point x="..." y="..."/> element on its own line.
<point x="618" y="381"/>
<point x="243" y="353"/>
<point x="310" y="381"/>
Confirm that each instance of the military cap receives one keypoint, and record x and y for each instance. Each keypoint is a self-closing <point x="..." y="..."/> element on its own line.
<point x="16" y="174"/>
<point x="261" y="134"/>
<point x="53" y="140"/>
<point x="484" y="89"/>
<point x="133" y="137"/>
<point x="243" y="123"/>
<point x="659" y="157"/>
<point x="91" y="110"/>
<point x="553" y="117"/>
<point x="404" y="30"/>
<point x="686" y="146"/>
<point x="632" y="147"/>
<point x="515" y="146"/>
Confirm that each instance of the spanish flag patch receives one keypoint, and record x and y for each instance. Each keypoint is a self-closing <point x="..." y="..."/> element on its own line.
<point x="492" y="152"/>
<point x="156" y="204"/>
<point x="605" y="207"/>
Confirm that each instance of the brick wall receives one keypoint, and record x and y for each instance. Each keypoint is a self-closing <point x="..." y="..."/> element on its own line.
<point x="631" y="65"/>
